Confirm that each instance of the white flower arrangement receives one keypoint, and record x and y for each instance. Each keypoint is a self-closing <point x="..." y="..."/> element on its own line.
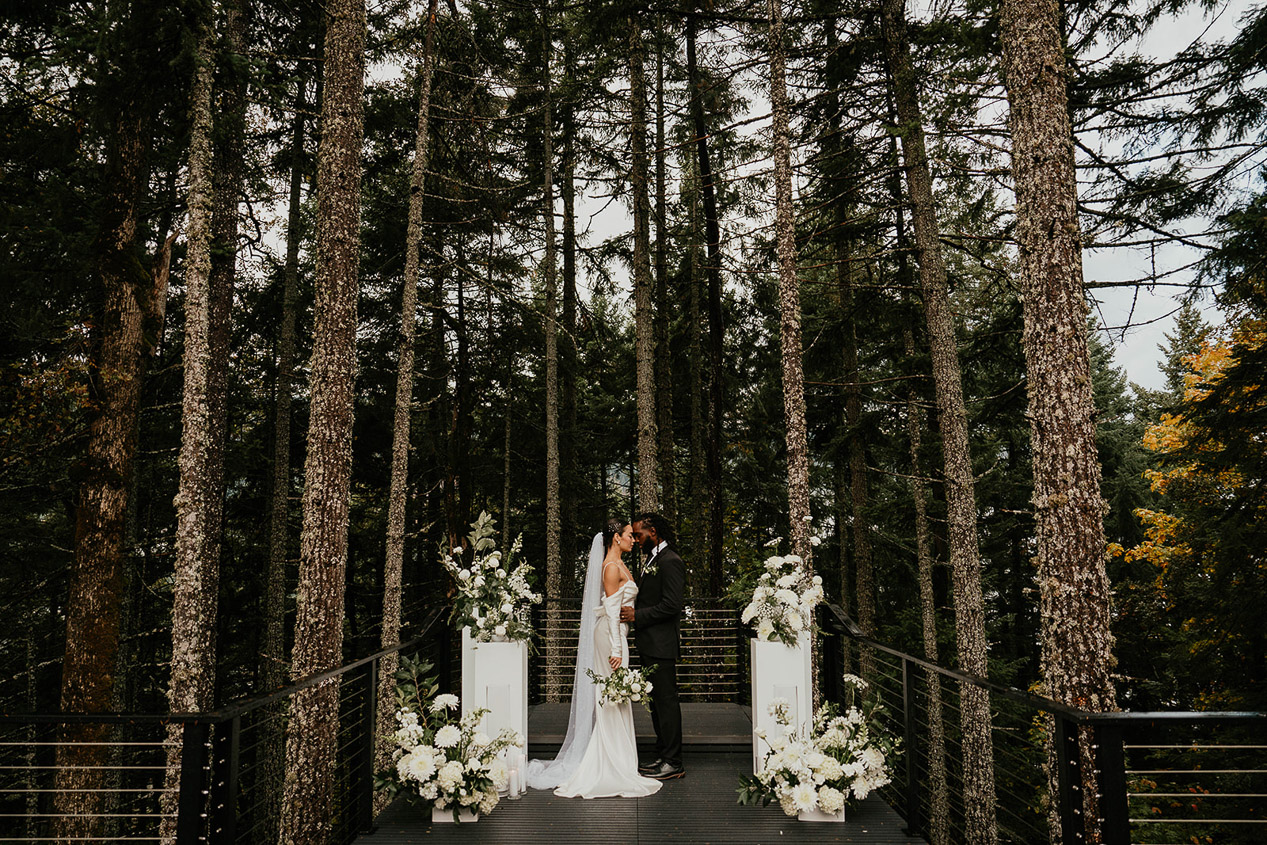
<point x="623" y="684"/>
<point x="494" y="598"/>
<point x="444" y="760"/>
<point x="844" y="757"/>
<point x="783" y="602"/>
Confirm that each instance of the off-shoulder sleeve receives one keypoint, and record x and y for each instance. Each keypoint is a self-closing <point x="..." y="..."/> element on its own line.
<point x="611" y="606"/>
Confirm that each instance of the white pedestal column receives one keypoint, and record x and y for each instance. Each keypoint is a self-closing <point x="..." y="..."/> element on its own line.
<point x="495" y="676"/>
<point x="779" y="671"/>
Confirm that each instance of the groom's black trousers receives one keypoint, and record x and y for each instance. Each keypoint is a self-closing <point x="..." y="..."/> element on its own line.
<point x="666" y="711"/>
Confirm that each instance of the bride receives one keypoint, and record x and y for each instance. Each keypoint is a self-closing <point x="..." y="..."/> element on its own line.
<point x="599" y="756"/>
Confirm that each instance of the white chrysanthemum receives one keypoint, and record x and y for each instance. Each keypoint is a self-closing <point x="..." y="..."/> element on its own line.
<point x="765" y="630"/>
<point x="860" y="788"/>
<point x="794" y="620"/>
<point x="444" y="701"/>
<point x="748" y="612"/>
<point x="448" y="736"/>
<point x="804" y="797"/>
<point x="787" y="580"/>
<point x="787" y="597"/>
<point x="873" y="759"/>
<point x="830" y="800"/>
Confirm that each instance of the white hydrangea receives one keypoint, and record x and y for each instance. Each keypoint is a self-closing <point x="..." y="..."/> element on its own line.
<point x="830" y="800"/>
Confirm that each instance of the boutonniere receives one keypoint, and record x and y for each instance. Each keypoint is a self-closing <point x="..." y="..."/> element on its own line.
<point x="651" y="567"/>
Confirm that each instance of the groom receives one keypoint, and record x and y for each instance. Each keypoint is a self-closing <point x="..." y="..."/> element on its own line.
<point x="656" y="617"/>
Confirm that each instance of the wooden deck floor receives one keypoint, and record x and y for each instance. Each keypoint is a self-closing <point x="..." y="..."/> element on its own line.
<point x="699" y="808"/>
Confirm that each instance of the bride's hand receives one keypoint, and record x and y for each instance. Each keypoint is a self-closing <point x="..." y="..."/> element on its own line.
<point x="614" y="661"/>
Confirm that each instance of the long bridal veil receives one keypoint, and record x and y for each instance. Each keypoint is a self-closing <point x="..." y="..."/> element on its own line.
<point x="547" y="774"/>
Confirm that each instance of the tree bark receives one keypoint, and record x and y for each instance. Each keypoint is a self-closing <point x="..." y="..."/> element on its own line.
<point x="397" y="496"/>
<point x="130" y="300"/>
<point x="314" y="714"/>
<point x="663" y="360"/>
<point x="961" y="513"/>
<point x="1077" y="642"/>
<point x="789" y="296"/>
<point x="939" y="800"/>
<point x="272" y="665"/>
<point x="197" y="571"/>
<point x="570" y="480"/>
<point x="697" y="487"/>
<point x="554" y="574"/>
<point x="644" y="308"/>
<point x="716" y="330"/>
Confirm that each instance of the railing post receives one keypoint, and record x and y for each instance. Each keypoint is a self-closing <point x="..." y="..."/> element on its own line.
<point x="192" y="803"/>
<point x="364" y="776"/>
<point x="1069" y="781"/>
<point x="913" y="825"/>
<point x="222" y="820"/>
<point x="1110" y="763"/>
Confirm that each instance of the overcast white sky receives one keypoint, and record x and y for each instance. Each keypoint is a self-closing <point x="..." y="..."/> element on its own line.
<point x="1137" y="352"/>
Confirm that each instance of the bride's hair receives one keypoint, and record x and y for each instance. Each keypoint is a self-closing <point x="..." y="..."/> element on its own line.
<point x="610" y="530"/>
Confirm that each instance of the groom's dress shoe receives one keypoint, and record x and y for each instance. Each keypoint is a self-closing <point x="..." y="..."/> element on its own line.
<point x="648" y="768"/>
<point x="667" y="771"/>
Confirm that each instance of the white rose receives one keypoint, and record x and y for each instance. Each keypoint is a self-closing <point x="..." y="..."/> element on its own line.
<point x="508" y="608"/>
<point x="818" y="580"/>
<point x="635" y="687"/>
<point x="464" y="575"/>
<point x="500" y="630"/>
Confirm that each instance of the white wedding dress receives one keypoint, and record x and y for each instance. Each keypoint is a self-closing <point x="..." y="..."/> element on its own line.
<point x="609" y="767"/>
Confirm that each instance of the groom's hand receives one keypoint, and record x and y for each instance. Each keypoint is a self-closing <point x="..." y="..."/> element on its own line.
<point x="627" y="614"/>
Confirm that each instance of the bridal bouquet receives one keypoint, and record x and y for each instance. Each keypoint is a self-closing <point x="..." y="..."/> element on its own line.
<point x="442" y="758"/>
<point x="494" y="598"/>
<point x="623" y="684"/>
<point x="844" y="756"/>
<point x="783" y="601"/>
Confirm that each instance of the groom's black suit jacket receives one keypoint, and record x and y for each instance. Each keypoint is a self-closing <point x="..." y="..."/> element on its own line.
<point x="658" y="608"/>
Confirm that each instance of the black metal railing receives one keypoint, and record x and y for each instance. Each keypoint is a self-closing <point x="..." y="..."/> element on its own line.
<point x="711" y="666"/>
<point x="1161" y="777"/>
<point x="231" y="763"/>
